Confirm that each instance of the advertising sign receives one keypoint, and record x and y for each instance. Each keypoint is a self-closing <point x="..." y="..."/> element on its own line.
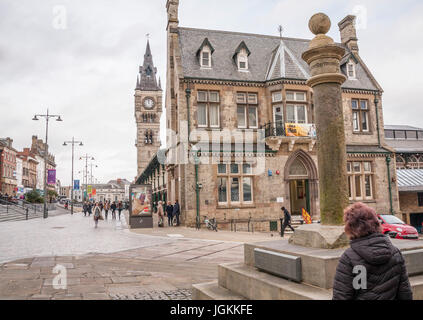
<point x="300" y="130"/>
<point x="51" y="176"/>
<point x="140" y="206"/>
<point x="76" y="184"/>
<point x="90" y="189"/>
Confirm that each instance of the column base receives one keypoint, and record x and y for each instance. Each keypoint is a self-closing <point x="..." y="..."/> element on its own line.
<point x="320" y="236"/>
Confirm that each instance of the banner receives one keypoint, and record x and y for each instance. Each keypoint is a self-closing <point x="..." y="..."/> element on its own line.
<point x="306" y="217"/>
<point x="300" y="130"/>
<point x="51" y="176"/>
<point x="89" y="189"/>
<point x="94" y="192"/>
<point x="76" y="185"/>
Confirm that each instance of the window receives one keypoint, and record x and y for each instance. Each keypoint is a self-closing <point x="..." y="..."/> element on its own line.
<point x="238" y="179"/>
<point x="399" y="134"/>
<point x="360" y="180"/>
<point x="351" y="70"/>
<point x="206" y="58"/>
<point x="360" y="112"/>
<point x="242" y="62"/>
<point x="296" y="96"/>
<point x="420" y="199"/>
<point x="247" y="110"/>
<point x="412" y="135"/>
<point x="389" y="134"/>
<point x="420" y="135"/>
<point x="276" y="96"/>
<point x="296" y="113"/>
<point x="208" y="109"/>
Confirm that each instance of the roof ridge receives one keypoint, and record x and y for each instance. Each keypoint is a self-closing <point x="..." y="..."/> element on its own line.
<point x="245" y="33"/>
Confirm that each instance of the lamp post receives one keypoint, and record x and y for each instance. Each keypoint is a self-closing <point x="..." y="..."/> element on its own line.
<point x="73" y="142"/>
<point x="86" y="157"/>
<point x="47" y="117"/>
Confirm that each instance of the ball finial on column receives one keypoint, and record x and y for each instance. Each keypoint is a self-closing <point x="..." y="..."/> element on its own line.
<point x="319" y="24"/>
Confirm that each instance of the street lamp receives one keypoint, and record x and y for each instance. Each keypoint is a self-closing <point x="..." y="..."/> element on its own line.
<point x="73" y="142"/>
<point x="86" y="158"/>
<point x="47" y="117"/>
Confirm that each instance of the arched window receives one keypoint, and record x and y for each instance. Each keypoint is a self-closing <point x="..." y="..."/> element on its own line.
<point x="413" y="162"/>
<point x="298" y="169"/>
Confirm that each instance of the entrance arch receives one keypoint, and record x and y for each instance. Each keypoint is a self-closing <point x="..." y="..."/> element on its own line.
<point x="301" y="178"/>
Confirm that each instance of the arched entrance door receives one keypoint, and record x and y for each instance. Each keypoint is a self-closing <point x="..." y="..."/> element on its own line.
<point x="301" y="180"/>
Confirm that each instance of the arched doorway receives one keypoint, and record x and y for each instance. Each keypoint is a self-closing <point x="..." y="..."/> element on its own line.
<point x="301" y="183"/>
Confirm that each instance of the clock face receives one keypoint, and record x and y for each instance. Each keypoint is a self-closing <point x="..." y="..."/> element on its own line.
<point x="149" y="103"/>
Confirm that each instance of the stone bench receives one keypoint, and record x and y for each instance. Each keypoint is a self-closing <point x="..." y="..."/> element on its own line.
<point x="279" y="264"/>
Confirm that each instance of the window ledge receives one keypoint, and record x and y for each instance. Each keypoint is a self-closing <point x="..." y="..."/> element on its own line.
<point x="363" y="133"/>
<point x="363" y="201"/>
<point x="243" y="206"/>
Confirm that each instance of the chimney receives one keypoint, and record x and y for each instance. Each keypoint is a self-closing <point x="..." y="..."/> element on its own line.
<point x="9" y="142"/>
<point x="172" y="14"/>
<point x="349" y="33"/>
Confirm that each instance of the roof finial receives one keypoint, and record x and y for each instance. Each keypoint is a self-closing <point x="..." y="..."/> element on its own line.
<point x="148" y="36"/>
<point x="280" y="29"/>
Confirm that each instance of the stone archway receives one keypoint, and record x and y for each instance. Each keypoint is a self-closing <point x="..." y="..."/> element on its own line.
<point x="300" y="166"/>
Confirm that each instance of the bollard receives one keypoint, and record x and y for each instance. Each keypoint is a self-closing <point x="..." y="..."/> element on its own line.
<point x="281" y="227"/>
<point x="26" y="213"/>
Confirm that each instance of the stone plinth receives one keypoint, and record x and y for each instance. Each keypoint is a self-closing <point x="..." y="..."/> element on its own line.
<point x="320" y="236"/>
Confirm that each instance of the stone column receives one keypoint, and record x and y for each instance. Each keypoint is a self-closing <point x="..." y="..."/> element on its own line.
<point x="323" y="57"/>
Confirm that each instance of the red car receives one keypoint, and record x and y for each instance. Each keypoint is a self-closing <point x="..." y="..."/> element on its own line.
<point x="396" y="228"/>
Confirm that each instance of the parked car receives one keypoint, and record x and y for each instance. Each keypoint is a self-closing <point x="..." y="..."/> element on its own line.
<point x="396" y="228"/>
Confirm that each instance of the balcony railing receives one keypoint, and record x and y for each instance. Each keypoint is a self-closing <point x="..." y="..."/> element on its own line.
<point x="281" y="129"/>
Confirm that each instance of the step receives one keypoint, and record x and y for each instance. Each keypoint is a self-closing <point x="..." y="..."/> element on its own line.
<point x="212" y="291"/>
<point x="253" y="284"/>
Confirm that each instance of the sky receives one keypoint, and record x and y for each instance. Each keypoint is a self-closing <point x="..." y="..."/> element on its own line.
<point x="80" y="59"/>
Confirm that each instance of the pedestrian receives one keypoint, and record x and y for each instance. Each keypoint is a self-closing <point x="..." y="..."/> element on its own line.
<point x="120" y="208"/>
<point x="106" y="208"/>
<point x="113" y="207"/>
<point x="176" y="212"/>
<point x="97" y="214"/>
<point x="377" y="259"/>
<point x="169" y="212"/>
<point x="286" y="221"/>
<point x="160" y="214"/>
<point x="90" y="208"/>
<point x="85" y="208"/>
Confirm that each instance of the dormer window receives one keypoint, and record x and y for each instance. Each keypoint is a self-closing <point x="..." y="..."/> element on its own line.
<point x="241" y="57"/>
<point x="204" y="54"/>
<point x="205" y="58"/>
<point x="351" y="70"/>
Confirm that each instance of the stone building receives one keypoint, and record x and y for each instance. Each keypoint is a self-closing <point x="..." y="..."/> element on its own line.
<point x="38" y="148"/>
<point x="29" y="170"/>
<point x="8" y="182"/>
<point x="229" y="85"/>
<point x="407" y="141"/>
<point x="148" y="110"/>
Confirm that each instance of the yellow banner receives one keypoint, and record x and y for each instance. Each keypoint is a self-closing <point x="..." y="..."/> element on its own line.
<point x="300" y="130"/>
<point x="89" y="189"/>
<point x="306" y="217"/>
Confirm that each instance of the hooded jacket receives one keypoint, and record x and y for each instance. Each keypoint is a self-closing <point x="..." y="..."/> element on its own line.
<point x="384" y="271"/>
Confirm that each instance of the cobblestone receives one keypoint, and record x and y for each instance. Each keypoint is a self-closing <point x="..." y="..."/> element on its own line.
<point x="181" y="294"/>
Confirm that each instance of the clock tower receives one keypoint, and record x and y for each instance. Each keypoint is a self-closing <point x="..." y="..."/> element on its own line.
<point x="148" y="110"/>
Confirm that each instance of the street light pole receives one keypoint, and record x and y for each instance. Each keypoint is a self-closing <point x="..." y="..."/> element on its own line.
<point x="47" y="117"/>
<point x="73" y="153"/>
<point x="86" y="157"/>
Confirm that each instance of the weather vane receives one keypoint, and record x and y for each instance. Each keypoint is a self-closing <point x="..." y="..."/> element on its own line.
<point x="280" y="29"/>
<point x="148" y="36"/>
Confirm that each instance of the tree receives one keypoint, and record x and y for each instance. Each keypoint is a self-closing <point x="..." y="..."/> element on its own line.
<point x="34" y="197"/>
<point x="52" y="195"/>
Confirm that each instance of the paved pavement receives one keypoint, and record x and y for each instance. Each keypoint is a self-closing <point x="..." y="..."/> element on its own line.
<point x="110" y="262"/>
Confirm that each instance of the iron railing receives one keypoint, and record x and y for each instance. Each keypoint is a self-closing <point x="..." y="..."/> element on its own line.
<point x="278" y="129"/>
<point x="15" y="207"/>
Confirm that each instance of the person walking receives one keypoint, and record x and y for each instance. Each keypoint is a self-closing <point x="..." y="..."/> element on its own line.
<point x="106" y="208"/>
<point x="113" y="207"/>
<point x="286" y="221"/>
<point x="120" y="208"/>
<point x="97" y="214"/>
<point x="382" y="274"/>
<point x="85" y="208"/>
<point x="160" y="214"/>
<point x="90" y="208"/>
<point x="176" y="212"/>
<point x="169" y="213"/>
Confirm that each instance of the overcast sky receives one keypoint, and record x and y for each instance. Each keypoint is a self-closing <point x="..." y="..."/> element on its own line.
<point x="85" y="68"/>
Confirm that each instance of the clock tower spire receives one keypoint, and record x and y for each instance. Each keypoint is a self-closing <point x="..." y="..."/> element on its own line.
<point x="148" y="110"/>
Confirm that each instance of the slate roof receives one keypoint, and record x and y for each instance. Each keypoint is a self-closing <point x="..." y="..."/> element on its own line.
<point x="365" y="149"/>
<point x="410" y="179"/>
<point x="401" y="127"/>
<point x="405" y="146"/>
<point x="264" y="50"/>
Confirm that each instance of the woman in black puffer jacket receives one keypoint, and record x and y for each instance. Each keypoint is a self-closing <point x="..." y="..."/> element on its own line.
<point x="372" y="268"/>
